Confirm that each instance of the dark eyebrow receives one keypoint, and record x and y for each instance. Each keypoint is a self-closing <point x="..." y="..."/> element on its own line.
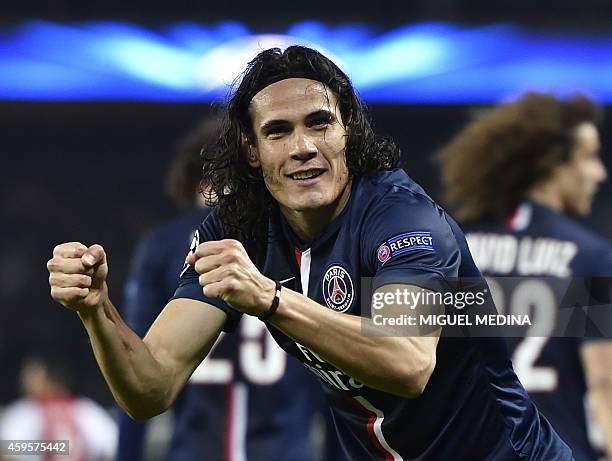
<point x="271" y="124"/>
<point x="279" y="123"/>
<point x="320" y="114"/>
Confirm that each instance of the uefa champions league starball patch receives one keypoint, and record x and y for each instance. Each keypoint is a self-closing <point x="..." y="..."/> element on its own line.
<point x="383" y="253"/>
<point x="192" y="249"/>
<point x="402" y="243"/>
<point x="338" y="290"/>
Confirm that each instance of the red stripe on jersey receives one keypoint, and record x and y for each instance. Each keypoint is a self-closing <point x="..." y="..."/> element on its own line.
<point x="521" y="218"/>
<point x="60" y="422"/>
<point x="374" y="439"/>
<point x="510" y="220"/>
<point x="370" y="429"/>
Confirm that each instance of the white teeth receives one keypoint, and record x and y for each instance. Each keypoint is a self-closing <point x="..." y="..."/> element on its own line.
<point x="305" y="174"/>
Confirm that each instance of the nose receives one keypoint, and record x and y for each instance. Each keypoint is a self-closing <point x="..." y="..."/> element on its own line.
<point x="302" y="146"/>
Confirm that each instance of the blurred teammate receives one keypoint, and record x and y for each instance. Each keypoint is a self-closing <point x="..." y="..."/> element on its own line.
<point x="309" y="206"/>
<point x="516" y="175"/>
<point x="240" y="403"/>
<point x="49" y="411"/>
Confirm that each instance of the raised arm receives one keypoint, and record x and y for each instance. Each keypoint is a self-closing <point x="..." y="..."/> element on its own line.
<point x="391" y="363"/>
<point x="144" y="376"/>
<point x="399" y="362"/>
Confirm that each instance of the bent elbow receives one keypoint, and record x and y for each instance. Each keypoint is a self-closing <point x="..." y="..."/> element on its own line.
<point x="137" y="415"/>
<point x="141" y="413"/>
<point x="415" y="380"/>
<point x="147" y="408"/>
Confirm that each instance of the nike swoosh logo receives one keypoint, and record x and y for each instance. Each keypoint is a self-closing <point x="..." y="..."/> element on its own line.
<point x="286" y="280"/>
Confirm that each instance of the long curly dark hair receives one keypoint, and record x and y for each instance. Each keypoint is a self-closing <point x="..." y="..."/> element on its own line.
<point x="241" y="201"/>
<point x="489" y="167"/>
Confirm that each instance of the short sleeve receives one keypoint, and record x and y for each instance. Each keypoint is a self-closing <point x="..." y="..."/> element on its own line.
<point x="188" y="282"/>
<point x="409" y="240"/>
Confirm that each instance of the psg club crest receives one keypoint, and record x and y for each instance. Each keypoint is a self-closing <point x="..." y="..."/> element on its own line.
<point x="338" y="290"/>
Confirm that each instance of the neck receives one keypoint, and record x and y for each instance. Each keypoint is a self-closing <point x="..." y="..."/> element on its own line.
<point x="546" y="194"/>
<point x="310" y="223"/>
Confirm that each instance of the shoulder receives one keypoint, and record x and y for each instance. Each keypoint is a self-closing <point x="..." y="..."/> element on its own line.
<point x="20" y="420"/>
<point x="18" y="409"/>
<point x="392" y="196"/>
<point x="586" y="238"/>
<point x="389" y="181"/>
<point x="594" y="254"/>
<point x="180" y="225"/>
<point x="399" y="219"/>
<point x="592" y="247"/>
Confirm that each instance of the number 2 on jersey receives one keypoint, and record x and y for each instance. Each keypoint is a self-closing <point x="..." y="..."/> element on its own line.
<point x="537" y="299"/>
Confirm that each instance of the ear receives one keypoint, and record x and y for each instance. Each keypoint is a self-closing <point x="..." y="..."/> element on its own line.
<point x="251" y="152"/>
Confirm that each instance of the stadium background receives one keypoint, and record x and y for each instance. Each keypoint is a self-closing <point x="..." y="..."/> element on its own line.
<point x="92" y="170"/>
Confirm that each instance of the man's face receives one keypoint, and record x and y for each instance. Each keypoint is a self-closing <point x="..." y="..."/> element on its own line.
<point x="580" y="177"/>
<point x="300" y="142"/>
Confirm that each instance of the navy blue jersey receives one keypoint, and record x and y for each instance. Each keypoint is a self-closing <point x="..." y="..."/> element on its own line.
<point x="241" y="403"/>
<point x="541" y="245"/>
<point x="473" y="407"/>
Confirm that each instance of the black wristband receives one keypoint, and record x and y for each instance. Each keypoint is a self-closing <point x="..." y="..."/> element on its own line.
<point x="270" y="312"/>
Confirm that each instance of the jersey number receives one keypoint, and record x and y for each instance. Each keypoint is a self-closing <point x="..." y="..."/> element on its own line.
<point x="536" y="299"/>
<point x="260" y="360"/>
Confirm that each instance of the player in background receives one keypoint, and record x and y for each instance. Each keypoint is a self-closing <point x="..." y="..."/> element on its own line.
<point x="240" y="403"/>
<point x="49" y="411"/>
<point x="516" y="175"/>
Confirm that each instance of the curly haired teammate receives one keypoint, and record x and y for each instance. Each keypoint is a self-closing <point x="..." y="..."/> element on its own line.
<point x="309" y="196"/>
<point x="516" y="174"/>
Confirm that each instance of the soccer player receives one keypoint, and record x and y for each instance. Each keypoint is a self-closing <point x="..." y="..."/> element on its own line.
<point x="49" y="411"/>
<point x="308" y="202"/>
<point x="516" y="175"/>
<point x="240" y="403"/>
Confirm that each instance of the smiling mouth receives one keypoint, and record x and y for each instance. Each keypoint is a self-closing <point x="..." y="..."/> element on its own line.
<point x="306" y="175"/>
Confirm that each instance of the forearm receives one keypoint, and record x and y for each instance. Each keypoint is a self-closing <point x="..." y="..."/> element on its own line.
<point x="135" y="377"/>
<point x="144" y="375"/>
<point x="394" y="364"/>
<point x="601" y="404"/>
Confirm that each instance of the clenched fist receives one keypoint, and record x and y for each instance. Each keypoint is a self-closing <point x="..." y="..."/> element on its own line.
<point x="77" y="275"/>
<point x="227" y="272"/>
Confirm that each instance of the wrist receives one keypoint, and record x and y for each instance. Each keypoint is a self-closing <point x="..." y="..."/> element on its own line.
<point x="90" y="313"/>
<point x="271" y="303"/>
<point x="265" y="295"/>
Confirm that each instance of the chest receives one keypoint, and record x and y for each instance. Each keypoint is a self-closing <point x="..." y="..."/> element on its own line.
<point x="330" y="273"/>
